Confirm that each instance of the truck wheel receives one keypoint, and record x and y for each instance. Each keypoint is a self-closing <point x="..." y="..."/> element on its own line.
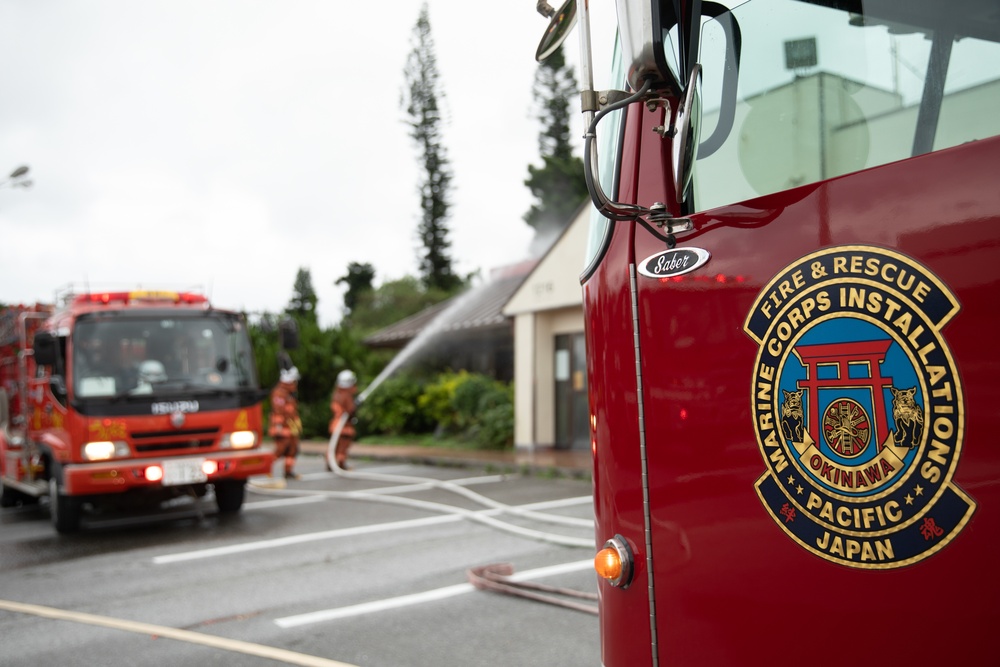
<point x="64" y="510"/>
<point x="8" y="496"/>
<point x="229" y="495"/>
<point x="4" y="409"/>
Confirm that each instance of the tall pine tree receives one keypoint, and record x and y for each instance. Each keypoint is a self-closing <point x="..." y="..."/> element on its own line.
<point x="359" y="278"/>
<point x="304" y="299"/>
<point x="420" y="99"/>
<point x="558" y="185"/>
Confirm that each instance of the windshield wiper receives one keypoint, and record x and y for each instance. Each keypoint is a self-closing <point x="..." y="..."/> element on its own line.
<point x="172" y="387"/>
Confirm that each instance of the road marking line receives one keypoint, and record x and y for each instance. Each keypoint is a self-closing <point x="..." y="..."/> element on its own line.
<point x="347" y="532"/>
<point x="419" y="598"/>
<point x="223" y="643"/>
<point x="299" y="539"/>
<point x="301" y="500"/>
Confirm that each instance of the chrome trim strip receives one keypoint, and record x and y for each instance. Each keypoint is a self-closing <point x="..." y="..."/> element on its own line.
<point x="645" y="471"/>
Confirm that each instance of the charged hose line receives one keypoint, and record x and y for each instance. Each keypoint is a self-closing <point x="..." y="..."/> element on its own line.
<point x="496" y="578"/>
<point x="472" y="515"/>
<point x="445" y="486"/>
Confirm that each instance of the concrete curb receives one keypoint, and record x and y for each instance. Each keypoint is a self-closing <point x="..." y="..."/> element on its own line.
<point x="547" y="461"/>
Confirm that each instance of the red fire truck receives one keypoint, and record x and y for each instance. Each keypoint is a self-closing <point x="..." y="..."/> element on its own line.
<point x="792" y="283"/>
<point x="124" y="400"/>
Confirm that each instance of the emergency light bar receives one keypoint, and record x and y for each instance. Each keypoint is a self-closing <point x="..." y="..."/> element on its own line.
<point x="135" y="296"/>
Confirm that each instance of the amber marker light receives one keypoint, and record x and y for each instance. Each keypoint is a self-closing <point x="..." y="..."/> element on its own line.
<point x="613" y="563"/>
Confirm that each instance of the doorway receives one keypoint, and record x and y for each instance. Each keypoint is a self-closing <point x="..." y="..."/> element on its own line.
<point x="572" y="427"/>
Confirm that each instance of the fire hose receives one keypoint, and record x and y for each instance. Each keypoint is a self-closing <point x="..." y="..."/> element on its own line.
<point x="448" y="486"/>
<point x="496" y="578"/>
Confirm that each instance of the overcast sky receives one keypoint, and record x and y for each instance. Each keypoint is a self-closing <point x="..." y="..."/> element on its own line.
<point x="224" y="144"/>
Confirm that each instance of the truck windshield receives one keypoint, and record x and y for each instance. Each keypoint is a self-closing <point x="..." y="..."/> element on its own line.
<point x="159" y="356"/>
<point x="827" y="90"/>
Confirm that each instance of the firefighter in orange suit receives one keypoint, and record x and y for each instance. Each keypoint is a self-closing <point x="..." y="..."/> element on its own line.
<point x="286" y="426"/>
<point x="342" y="402"/>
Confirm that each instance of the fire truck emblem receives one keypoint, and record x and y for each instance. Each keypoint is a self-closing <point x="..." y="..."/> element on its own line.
<point x="858" y="407"/>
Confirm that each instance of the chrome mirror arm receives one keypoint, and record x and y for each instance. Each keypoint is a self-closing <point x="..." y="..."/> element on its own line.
<point x="590" y="105"/>
<point x="601" y="201"/>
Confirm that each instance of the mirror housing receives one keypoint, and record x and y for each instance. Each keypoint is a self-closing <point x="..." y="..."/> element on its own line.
<point x="559" y="28"/>
<point x="45" y="348"/>
<point x="642" y="31"/>
<point x="687" y="135"/>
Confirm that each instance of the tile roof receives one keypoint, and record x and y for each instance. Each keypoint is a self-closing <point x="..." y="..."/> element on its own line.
<point x="478" y="309"/>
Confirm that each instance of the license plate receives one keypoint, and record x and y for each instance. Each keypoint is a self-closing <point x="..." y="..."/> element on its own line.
<point x="183" y="471"/>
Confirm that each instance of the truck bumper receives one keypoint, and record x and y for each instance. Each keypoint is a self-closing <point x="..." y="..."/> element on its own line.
<point x="119" y="476"/>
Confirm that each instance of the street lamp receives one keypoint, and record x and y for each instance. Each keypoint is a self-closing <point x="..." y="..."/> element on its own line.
<point x="17" y="178"/>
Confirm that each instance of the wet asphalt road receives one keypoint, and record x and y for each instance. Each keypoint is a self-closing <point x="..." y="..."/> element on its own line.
<point x="313" y="574"/>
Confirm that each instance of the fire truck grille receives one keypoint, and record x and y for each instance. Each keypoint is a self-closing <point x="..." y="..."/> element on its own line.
<point x="161" y="441"/>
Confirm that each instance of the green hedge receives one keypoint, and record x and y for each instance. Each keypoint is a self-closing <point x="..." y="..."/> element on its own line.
<point x="469" y="406"/>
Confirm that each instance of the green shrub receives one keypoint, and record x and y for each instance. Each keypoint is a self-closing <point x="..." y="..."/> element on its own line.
<point x="315" y="419"/>
<point x="437" y="400"/>
<point x="485" y="411"/>
<point x="468" y="399"/>
<point x="471" y="407"/>
<point x="495" y="429"/>
<point x="392" y="408"/>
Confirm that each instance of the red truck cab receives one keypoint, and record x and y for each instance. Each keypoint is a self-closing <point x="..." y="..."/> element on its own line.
<point x="793" y="276"/>
<point x="128" y="399"/>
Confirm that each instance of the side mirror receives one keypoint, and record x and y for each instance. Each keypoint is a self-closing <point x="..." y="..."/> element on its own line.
<point x="687" y="124"/>
<point x="45" y="348"/>
<point x="643" y="29"/>
<point x="58" y="386"/>
<point x="559" y="28"/>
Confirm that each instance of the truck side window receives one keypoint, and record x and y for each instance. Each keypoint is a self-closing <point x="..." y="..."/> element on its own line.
<point x="608" y="151"/>
<point x="824" y="92"/>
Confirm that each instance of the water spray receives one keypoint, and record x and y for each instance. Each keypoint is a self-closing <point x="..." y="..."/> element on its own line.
<point x="438" y="324"/>
<point x="422" y="339"/>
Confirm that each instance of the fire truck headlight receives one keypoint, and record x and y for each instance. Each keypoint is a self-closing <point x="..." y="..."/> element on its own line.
<point x="238" y="440"/>
<point x="102" y="450"/>
<point x="613" y="563"/>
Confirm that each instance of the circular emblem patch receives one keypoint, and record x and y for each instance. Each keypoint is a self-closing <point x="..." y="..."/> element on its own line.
<point x="858" y="407"/>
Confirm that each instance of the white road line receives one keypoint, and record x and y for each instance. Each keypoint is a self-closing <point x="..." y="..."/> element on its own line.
<point x="282" y="502"/>
<point x="347" y="532"/>
<point x="223" y="643"/>
<point x="372" y="607"/>
<point x="419" y="598"/>
<point x="299" y="539"/>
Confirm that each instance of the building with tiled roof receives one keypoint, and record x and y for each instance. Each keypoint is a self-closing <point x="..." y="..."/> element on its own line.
<point x="467" y="332"/>
<point x="524" y="325"/>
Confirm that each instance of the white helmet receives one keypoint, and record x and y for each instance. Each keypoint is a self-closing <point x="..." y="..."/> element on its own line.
<point x="346" y="379"/>
<point x="290" y="375"/>
<point x="152" y="371"/>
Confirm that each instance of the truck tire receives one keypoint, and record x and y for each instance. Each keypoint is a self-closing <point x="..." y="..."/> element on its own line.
<point x="229" y="495"/>
<point x="8" y="497"/>
<point x="64" y="510"/>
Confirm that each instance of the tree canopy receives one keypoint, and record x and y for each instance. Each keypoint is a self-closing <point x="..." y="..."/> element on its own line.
<point x="558" y="186"/>
<point x="303" y="301"/>
<point x="420" y="99"/>
<point x="358" y="279"/>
